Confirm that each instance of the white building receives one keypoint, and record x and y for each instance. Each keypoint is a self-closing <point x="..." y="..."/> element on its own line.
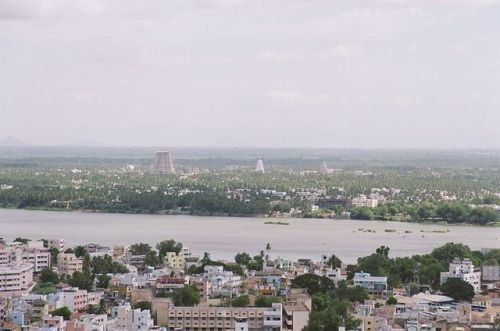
<point x="222" y="282"/>
<point x="141" y="320"/>
<point x="122" y="318"/>
<point x="372" y="284"/>
<point x="126" y="318"/>
<point x="364" y="201"/>
<point x="33" y="253"/>
<point x="465" y="271"/>
<point x="39" y="257"/>
<point x="74" y="298"/>
<point x="335" y="275"/>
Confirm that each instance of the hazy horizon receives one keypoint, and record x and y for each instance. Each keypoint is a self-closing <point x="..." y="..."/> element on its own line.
<point x="360" y="74"/>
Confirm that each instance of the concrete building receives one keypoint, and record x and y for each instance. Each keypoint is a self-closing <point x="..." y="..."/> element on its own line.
<point x="16" y="276"/>
<point x="225" y="318"/>
<point x="491" y="273"/>
<point x="68" y="263"/>
<point x="167" y="284"/>
<point x="74" y="298"/>
<point x="204" y="287"/>
<point x="39" y="257"/>
<point x="175" y="261"/>
<point x="33" y="253"/>
<point x="335" y="274"/>
<point x="56" y="243"/>
<point x="138" y="261"/>
<point x="160" y="308"/>
<point x="223" y="283"/>
<point x="464" y="270"/>
<point x="141" y="320"/>
<point x="122" y="317"/>
<point x="53" y="323"/>
<point x="3" y="314"/>
<point x="296" y="310"/>
<point x="4" y="256"/>
<point x="88" y="322"/>
<point x="364" y="201"/>
<point x="373" y="284"/>
<point x="163" y="164"/>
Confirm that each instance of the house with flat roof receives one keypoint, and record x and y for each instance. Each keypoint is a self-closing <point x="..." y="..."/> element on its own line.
<point x="372" y="284"/>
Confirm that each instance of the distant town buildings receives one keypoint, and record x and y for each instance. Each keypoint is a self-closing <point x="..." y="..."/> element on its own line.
<point x="364" y="201"/>
<point x="163" y="164"/>
<point x="218" y="285"/>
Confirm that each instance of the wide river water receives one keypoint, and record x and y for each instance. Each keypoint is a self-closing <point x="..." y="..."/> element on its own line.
<point x="222" y="237"/>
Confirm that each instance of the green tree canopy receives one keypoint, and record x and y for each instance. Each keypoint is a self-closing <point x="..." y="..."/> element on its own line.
<point x="140" y="249"/>
<point x="143" y="305"/>
<point x="65" y="312"/>
<point x="22" y="240"/>
<point x="103" y="281"/>
<point x="446" y="253"/>
<point x="265" y="301"/>
<point x="458" y="289"/>
<point x="313" y="283"/>
<point x="49" y="276"/>
<point x="243" y="258"/>
<point x="334" y="261"/>
<point x="187" y="296"/>
<point x="82" y="280"/>
<point x="241" y="301"/>
<point x="166" y="246"/>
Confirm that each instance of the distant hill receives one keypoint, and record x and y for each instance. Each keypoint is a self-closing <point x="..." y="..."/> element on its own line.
<point x="90" y="144"/>
<point x="12" y="141"/>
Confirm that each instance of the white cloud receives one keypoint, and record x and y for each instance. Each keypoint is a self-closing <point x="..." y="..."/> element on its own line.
<point x="128" y="63"/>
<point x="278" y="56"/>
<point x="295" y="97"/>
<point x="471" y="3"/>
<point x="25" y="9"/>
<point x="336" y="51"/>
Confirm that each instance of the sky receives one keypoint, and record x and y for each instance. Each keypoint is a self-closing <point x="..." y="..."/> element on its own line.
<point x="251" y="73"/>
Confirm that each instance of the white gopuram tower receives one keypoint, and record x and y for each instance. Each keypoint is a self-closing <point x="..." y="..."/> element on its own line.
<point x="163" y="164"/>
<point x="324" y="168"/>
<point x="260" y="166"/>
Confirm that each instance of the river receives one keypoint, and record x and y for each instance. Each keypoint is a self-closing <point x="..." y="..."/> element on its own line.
<point x="222" y="237"/>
